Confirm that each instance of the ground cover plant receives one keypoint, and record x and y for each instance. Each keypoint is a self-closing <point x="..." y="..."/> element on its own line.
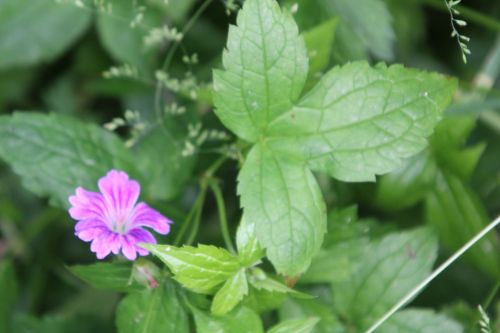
<point x="249" y="166"/>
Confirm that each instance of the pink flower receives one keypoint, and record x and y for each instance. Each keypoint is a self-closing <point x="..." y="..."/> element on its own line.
<point x="112" y="220"/>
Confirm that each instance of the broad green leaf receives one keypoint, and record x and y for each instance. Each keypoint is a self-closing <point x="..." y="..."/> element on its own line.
<point x="53" y="324"/>
<point x="407" y="185"/>
<point x="388" y="270"/>
<point x="319" y="42"/>
<point x="241" y="320"/>
<point x="152" y="311"/>
<point x="159" y="155"/>
<point x="303" y="308"/>
<point x="281" y="196"/>
<point x="370" y="21"/>
<point x="231" y="293"/>
<point x="458" y="215"/>
<point x="420" y="321"/>
<point x="261" y="300"/>
<point x="249" y="249"/>
<point x="265" y="69"/>
<point x="124" y="42"/>
<point x="32" y="32"/>
<point x="295" y="326"/>
<point x="55" y="154"/>
<point x="112" y="276"/>
<point x="361" y="121"/>
<point x="8" y="290"/>
<point x="201" y="269"/>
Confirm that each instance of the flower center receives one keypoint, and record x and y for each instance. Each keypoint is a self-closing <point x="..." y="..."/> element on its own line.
<point x="120" y="225"/>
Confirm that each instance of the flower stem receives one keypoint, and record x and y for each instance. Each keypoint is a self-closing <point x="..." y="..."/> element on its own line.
<point x="222" y="215"/>
<point x="433" y="275"/>
<point x="193" y="213"/>
<point x="197" y="216"/>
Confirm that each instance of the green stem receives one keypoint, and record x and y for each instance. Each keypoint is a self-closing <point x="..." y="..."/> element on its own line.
<point x="222" y="214"/>
<point x="195" y="227"/>
<point x="200" y="200"/>
<point x="470" y="14"/>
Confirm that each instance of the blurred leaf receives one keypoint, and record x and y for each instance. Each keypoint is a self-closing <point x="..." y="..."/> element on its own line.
<point x="241" y="320"/>
<point x="265" y="69"/>
<point x="288" y="212"/>
<point x="249" y="249"/>
<point x="262" y="300"/>
<point x="112" y="276"/>
<point x="259" y="280"/>
<point x="55" y="154"/>
<point x="370" y="21"/>
<point x="231" y="293"/>
<point x="319" y="42"/>
<point x="201" y="269"/>
<point x="297" y="308"/>
<point x="361" y="121"/>
<point x="53" y="324"/>
<point x="456" y="212"/>
<point x="35" y="32"/>
<point x="124" y="42"/>
<point x="295" y="326"/>
<point x="174" y="9"/>
<point x="389" y="269"/>
<point x="420" y="321"/>
<point x="474" y="106"/>
<point x="13" y="85"/>
<point x="152" y="311"/>
<point x="8" y="290"/>
<point x="407" y="185"/>
<point x="159" y="155"/>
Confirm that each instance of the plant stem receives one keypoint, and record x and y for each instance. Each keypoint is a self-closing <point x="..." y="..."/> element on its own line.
<point x="193" y="213"/>
<point x="433" y="275"/>
<point x="222" y="214"/>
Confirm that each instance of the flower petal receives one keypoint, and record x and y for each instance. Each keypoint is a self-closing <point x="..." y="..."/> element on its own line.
<point x="89" y="234"/>
<point x="100" y="246"/>
<point x="128" y="247"/>
<point x="143" y="215"/>
<point x="120" y="193"/>
<point x="87" y="204"/>
<point x="90" y="223"/>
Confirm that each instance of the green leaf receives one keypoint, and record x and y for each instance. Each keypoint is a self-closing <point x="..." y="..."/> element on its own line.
<point x="295" y="326"/>
<point x="265" y="69"/>
<point x="370" y="21"/>
<point x="361" y="121"/>
<point x="8" y="290"/>
<point x="303" y="309"/>
<point x="55" y="154"/>
<point x="249" y="249"/>
<point x="288" y="212"/>
<point x="231" y="293"/>
<point x="123" y="42"/>
<point x="319" y="42"/>
<point x="201" y="269"/>
<point x="407" y="185"/>
<point x="112" y="276"/>
<point x="259" y="280"/>
<point x="241" y="320"/>
<point x="388" y="270"/>
<point x="458" y="215"/>
<point x="152" y="311"/>
<point x="159" y="155"/>
<point x="35" y="32"/>
<point x="261" y="300"/>
<point x="420" y="321"/>
<point x="53" y="324"/>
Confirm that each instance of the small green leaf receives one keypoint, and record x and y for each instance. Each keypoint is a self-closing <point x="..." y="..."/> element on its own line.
<point x="261" y="300"/>
<point x="260" y="281"/>
<point x="319" y="42"/>
<point x="35" y="32"/>
<point x="201" y="269"/>
<point x="112" y="276"/>
<point x="388" y="269"/>
<point x="8" y="290"/>
<point x="295" y="326"/>
<point x="231" y="293"/>
<point x="241" y="320"/>
<point x="457" y="213"/>
<point x="361" y="121"/>
<point x="152" y="311"/>
<point x="420" y="321"/>
<point x="55" y="154"/>
<point x="265" y="69"/>
<point x="288" y="211"/>
<point x="249" y="249"/>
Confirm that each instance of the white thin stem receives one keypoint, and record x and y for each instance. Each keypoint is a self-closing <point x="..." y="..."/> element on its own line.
<point x="433" y="275"/>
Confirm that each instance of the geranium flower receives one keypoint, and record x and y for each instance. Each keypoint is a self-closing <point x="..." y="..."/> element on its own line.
<point x="113" y="220"/>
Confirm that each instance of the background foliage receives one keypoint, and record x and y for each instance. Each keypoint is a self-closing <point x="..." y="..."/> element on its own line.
<point x="212" y="113"/>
